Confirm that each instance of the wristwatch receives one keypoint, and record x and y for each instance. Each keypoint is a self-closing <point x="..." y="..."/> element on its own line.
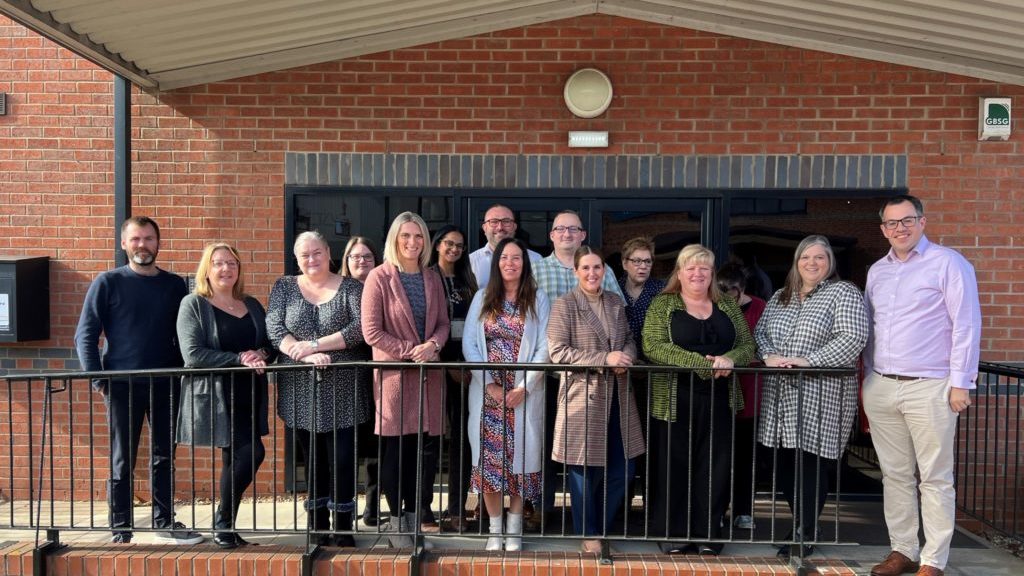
<point x="315" y="344"/>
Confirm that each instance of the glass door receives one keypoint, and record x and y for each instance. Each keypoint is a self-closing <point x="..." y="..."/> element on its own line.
<point x="670" y="223"/>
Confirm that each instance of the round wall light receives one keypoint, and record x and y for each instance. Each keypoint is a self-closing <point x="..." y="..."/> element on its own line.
<point x="588" y="93"/>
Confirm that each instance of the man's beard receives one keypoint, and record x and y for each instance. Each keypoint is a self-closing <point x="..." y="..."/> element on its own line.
<point x="143" y="257"/>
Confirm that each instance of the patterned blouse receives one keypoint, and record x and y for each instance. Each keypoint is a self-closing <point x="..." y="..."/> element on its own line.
<point x="339" y="397"/>
<point x="829" y="328"/>
<point x="636" y="310"/>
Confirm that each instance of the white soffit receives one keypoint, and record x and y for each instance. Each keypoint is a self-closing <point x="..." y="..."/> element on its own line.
<point x="164" y="44"/>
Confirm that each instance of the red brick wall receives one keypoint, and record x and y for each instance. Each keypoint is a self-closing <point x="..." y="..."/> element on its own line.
<point x="208" y="161"/>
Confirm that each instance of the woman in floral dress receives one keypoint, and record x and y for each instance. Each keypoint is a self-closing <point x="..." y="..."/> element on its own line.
<point x="506" y="323"/>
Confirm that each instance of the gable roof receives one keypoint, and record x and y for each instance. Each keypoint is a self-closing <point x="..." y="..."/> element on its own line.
<point x="161" y="45"/>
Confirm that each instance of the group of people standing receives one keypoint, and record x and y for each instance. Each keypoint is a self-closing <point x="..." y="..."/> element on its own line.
<point x="505" y="304"/>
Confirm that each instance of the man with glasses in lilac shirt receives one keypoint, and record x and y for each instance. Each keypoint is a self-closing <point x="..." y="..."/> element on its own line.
<point x="921" y="364"/>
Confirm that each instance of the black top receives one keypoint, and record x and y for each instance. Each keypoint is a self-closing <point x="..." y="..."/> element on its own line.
<point x="458" y="297"/>
<point x="714" y="336"/>
<point x="237" y="335"/>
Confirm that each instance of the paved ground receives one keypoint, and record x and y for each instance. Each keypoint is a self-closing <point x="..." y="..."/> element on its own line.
<point x="860" y="522"/>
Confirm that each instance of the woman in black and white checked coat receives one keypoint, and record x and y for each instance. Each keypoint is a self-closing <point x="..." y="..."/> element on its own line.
<point x="815" y="320"/>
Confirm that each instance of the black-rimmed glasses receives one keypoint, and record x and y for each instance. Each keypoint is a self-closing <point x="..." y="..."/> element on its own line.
<point x="569" y="229"/>
<point x="907" y="222"/>
<point x="640" y="261"/>
<point x="500" y="222"/>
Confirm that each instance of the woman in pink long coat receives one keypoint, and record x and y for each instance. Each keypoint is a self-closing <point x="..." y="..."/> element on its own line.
<point x="405" y="319"/>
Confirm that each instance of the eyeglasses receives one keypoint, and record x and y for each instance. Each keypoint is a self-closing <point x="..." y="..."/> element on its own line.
<point x="224" y="264"/>
<point x="495" y="222"/>
<point x="452" y="244"/>
<point x="361" y="257"/>
<point x="640" y="261"/>
<point x="907" y="222"/>
<point x="569" y="229"/>
<point x="729" y="289"/>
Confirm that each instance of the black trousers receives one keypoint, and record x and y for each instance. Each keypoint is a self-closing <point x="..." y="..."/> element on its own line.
<point x="551" y="468"/>
<point x="330" y="472"/>
<point x="688" y="465"/>
<point x="128" y="405"/>
<point x="239" y="463"/>
<point x="368" y="453"/>
<point x="743" y="473"/>
<point x="459" y="451"/>
<point x="807" y="500"/>
<point x="398" y="472"/>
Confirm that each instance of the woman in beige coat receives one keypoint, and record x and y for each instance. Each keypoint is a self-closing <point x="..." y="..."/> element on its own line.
<point x="597" y="427"/>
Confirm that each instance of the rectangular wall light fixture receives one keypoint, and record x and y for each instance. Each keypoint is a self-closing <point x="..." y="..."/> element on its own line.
<point x="588" y="139"/>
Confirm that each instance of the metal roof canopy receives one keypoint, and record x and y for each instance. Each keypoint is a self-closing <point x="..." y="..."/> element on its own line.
<point x="161" y="45"/>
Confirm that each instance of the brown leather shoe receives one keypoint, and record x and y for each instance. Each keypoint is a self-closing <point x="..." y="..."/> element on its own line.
<point x="894" y="565"/>
<point x="591" y="546"/>
<point x="927" y="570"/>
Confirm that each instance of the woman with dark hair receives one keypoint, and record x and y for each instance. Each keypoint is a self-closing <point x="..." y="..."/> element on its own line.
<point x="219" y="325"/>
<point x="597" y="426"/>
<point x="638" y="288"/>
<point x="448" y="257"/>
<point x="506" y="323"/>
<point x="815" y="320"/>
<point x="359" y="258"/>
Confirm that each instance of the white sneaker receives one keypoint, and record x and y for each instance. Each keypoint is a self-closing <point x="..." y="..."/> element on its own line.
<point x="744" y="522"/>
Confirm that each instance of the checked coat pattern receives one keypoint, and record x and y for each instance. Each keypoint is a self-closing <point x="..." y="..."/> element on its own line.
<point x="577" y="337"/>
<point x="829" y="328"/>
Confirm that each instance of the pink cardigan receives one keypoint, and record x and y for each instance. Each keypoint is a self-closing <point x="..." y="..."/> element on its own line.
<point x="389" y="327"/>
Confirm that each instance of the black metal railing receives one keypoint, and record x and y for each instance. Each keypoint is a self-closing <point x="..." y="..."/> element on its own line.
<point x="58" y="455"/>
<point x="990" y="461"/>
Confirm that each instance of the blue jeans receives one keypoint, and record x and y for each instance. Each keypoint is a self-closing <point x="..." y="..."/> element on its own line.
<point x="587" y="484"/>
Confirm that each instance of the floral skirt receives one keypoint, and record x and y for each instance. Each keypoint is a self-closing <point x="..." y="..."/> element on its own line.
<point x="497" y="445"/>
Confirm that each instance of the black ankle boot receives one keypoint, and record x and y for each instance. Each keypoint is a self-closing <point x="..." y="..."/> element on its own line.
<point x="319" y="520"/>
<point x="342" y="526"/>
<point x="222" y="538"/>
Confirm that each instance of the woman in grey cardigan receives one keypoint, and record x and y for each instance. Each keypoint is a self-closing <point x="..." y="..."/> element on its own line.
<point x="220" y="326"/>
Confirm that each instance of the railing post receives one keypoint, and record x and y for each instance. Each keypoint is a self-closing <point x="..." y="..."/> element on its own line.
<point x="52" y="542"/>
<point x="43" y="550"/>
<point x="309" y="556"/>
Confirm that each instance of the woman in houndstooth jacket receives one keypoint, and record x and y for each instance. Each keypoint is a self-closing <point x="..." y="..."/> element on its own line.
<point x="597" y="426"/>
<point x="817" y="321"/>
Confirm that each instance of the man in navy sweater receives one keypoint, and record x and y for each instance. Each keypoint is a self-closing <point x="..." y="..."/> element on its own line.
<point x="135" y="307"/>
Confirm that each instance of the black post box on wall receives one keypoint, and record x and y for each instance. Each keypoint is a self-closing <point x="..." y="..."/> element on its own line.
<point x="24" y="298"/>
